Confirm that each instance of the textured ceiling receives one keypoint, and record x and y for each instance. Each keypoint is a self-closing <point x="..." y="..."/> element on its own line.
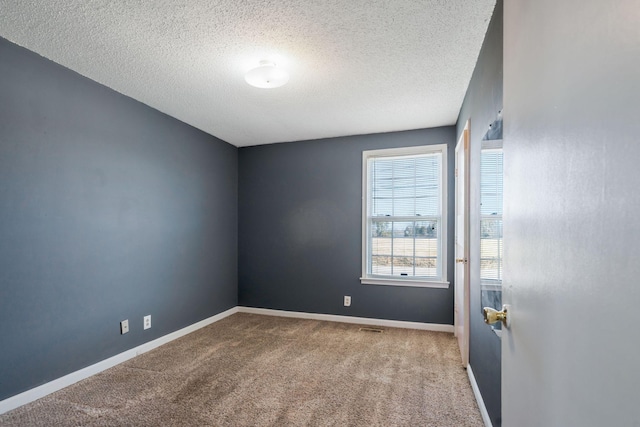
<point x="356" y="66"/>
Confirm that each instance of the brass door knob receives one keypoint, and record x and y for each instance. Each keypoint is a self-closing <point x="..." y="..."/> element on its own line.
<point x="492" y="316"/>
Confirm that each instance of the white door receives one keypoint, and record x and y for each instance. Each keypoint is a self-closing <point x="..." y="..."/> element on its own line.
<point x="572" y="213"/>
<point x="461" y="279"/>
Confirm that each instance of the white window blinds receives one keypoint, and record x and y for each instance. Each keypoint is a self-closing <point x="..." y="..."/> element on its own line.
<point x="406" y="186"/>
<point x="491" y="247"/>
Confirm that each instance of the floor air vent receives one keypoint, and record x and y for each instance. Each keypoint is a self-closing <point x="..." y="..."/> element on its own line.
<point x="374" y="330"/>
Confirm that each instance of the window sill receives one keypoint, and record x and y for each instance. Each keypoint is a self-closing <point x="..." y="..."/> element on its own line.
<point x="402" y="282"/>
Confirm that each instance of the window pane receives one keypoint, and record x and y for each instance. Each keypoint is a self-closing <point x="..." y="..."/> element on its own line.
<point x="426" y="267"/>
<point x="402" y="266"/>
<point x="491" y="249"/>
<point x="380" y="246"/>
<point x="428" y="175"/>
<point x="380" y="228"/>
<point x="403" y="246"/>
<point x="381" y="265"/>
<point x="427" y="244"/>
<point x="491" y="182"/>
<point x="400" y="227"/>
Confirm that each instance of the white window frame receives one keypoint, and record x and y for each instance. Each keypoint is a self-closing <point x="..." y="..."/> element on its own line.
<point x="368" y="279"/>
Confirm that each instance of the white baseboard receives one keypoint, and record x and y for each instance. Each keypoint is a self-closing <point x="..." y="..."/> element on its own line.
<point x="350" y="319"/>
<point x="62" y="382"/>
<point x="479" y="400"/>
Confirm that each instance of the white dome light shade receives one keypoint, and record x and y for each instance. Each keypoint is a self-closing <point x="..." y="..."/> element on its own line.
<point x="267" y="76"/>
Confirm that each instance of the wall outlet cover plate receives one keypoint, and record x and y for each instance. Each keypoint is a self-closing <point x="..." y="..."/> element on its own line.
<point x="124" y="327"/>
<point x="147" y="322"/>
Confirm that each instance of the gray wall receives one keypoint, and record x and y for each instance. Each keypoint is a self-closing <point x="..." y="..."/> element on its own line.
<point x="108" y="210"/>
<point x="481" y="105"/>
<point x="300" y="238"/>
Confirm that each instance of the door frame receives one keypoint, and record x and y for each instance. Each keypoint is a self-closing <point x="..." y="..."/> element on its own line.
<point x="462" y="290"/>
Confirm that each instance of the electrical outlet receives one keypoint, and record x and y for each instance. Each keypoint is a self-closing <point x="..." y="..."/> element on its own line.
<point x="124" y="327"/>
<point x="347" y="301"/>
<point x="147" y="322"/>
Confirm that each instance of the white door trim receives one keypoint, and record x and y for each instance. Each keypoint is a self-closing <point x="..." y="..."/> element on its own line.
<point x="462" y="290"/>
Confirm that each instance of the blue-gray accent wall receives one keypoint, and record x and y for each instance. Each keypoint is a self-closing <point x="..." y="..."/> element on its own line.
<point x="109" y="210"/>
<point x="300" y="230"/>
<point x="481" y="104"/>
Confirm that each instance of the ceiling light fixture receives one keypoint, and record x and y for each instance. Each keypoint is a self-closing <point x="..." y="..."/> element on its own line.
<point x="267" y="76"/>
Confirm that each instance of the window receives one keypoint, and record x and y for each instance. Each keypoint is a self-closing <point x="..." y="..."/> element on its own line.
<point x="491" y="248"/>
<point x="405" y="216"/>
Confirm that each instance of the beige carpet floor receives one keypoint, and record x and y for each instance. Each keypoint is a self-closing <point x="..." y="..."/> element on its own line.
<point x="251" y="370"/>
